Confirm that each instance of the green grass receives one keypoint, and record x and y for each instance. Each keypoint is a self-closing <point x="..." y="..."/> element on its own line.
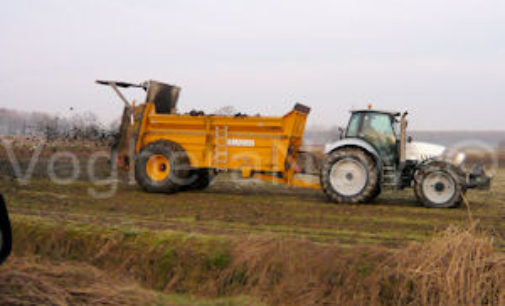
<point x="188" y="300"/>
<point x="149" y="254"/>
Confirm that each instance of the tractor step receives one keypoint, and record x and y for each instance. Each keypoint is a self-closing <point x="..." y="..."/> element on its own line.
<point x="389" y="176"/>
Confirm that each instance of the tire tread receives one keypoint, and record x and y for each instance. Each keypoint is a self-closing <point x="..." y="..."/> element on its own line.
<point x="371" y="190"/>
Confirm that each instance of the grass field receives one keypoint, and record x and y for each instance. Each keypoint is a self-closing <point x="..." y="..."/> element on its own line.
<point x="246" y="242"/>
<point x="236" y="209"/>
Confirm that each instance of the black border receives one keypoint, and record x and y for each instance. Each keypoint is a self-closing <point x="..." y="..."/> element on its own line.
<point x="5" y="226"/>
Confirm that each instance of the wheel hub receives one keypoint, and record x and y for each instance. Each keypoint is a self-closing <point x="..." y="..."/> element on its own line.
<point x="158" y="167"/>
<point x="439" y="187"/>
<point x="348" y="177"/>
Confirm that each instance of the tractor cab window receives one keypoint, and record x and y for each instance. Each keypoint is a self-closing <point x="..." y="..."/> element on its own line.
<point x="353" y="128"/>
<point x="377" y="129"/>
<point x="378" y="123"/>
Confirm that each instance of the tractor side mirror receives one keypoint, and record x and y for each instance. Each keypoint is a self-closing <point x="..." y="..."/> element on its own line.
<point x="341" y="133"/>
<point x="5" y="232"/>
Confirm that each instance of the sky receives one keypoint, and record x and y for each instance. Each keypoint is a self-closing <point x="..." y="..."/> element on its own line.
<point x="443" y="61"/>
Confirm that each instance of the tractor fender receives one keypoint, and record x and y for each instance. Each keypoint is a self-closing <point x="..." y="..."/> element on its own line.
<point x="357" y="143"/>
<point x="441" y="164"/>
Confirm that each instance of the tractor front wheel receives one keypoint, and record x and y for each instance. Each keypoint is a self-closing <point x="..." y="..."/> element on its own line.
<point x="349" y="175"/>
<point x="438" y="185"/>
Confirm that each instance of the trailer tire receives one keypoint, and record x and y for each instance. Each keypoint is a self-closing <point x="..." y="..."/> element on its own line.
<point x="349" y="175"/>
<point x="200" y="179"/>
<point x="162" y="166"/>
<point x="439" y="185"/>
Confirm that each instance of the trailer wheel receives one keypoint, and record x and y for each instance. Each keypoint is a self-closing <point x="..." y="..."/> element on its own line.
<point x="438" y="186"/>
<point x="200" y="179"/>
<point x="162" y="166"/>
<point x="349" y="175"/>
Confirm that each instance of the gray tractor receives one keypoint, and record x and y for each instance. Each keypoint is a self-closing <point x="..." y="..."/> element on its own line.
<point x="374" y="153"/>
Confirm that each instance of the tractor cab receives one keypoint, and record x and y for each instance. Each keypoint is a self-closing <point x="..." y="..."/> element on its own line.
<point x="381" y="129"/>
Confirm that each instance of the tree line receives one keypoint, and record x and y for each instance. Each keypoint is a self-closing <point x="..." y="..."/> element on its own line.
<point x="80" y="126"/>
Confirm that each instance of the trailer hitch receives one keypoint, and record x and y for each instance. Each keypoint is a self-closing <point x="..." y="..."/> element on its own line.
<point x="478" y="179"/>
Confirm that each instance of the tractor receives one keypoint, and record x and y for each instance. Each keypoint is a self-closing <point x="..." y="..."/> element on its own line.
<point x="374" y="153"/>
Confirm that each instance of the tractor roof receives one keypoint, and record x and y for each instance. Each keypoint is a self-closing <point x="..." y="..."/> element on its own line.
<point x="391" y="113"/>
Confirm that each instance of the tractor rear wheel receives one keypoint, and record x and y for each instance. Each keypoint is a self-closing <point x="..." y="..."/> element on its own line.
<point x="438" y="186"/>
<point x="349" y="175"/>
<point x="162" y="166"/>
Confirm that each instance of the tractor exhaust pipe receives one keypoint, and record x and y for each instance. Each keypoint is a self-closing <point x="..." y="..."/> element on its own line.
<point x="403" y="137"/>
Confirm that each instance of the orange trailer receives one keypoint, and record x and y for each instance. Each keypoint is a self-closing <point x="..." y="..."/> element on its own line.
<point x="179" y="151"/>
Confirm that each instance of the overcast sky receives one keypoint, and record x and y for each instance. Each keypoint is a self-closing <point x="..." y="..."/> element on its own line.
<point x="444" y="61"/>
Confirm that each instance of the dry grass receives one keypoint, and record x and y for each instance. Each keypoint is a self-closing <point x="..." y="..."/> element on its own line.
<point x="29" y="282"/>
<point x="34" y="281"/>
<point x="293" y="272"/>
<point x="457" y="266"/>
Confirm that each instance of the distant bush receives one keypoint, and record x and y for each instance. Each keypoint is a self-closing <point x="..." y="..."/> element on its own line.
<point x="81" y="126"/>
<point x="78" y="127"/>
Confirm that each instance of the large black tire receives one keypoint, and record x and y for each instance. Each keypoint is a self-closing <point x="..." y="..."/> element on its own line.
<point x="199" y="179"/>
<point x="418" y="196"/>
<point x="177" y="167"/>
<point x="439" y="185"/>
<point x="376" y="192"/>
<point x="356" y="183"/>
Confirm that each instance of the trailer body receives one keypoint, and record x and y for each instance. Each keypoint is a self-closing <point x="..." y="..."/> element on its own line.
<point x="256" y="145"/>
